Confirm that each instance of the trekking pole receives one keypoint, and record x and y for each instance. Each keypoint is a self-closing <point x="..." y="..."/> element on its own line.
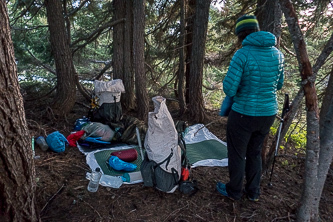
<point x="139" y="141"/>
<point x="284" y="111"/>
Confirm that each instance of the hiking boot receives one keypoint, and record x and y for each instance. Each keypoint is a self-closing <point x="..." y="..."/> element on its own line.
<point x="221" y="188"/>
<point x="248" y="196"/>
<point x="253" y="199"/>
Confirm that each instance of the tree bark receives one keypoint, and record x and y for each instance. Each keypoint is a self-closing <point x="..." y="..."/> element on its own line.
<point x="129" y="97"/>
<point x="17" y="174"/>
<point x="138" y="59"/>
<point x="196" y="104"/>
<point x="122" y="50"/>
<point x="326" y="132"/>
<point x="118" y="39"/>
<point x="181" y="73"/>
<point x="269" y="15"/>
<point x="60" y="44"/>
<point x="190" y="12"/>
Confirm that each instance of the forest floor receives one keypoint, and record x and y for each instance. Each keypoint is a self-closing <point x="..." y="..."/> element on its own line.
<point x="62" y="186"/>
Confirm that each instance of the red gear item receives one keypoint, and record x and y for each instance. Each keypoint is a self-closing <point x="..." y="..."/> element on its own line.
<point x="72" y="138"/>
<point x="185" y="174"/>
<point x="126" y="155"/>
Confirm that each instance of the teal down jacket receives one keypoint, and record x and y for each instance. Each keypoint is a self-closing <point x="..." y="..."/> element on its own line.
<point x="254" y="75"/>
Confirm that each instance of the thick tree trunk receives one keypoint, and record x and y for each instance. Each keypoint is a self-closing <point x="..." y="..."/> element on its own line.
<point x="196" y="103"/>
<point x="66" y="86"/>
<point x="139" y="59"/>
<point x="129" y="97"/>
<point x="17" y="174"/>
<point x="181" y="73"/>
<point x="122" y="50"/>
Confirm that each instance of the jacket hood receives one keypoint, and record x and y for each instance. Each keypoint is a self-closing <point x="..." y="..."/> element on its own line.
<point x="260" y="39"/>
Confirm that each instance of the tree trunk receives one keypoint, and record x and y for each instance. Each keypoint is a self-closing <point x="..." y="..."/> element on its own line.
<point x="326" y="132"/>
<point x="181" y="73"/>
<point x="269" y="15"/>
<point x="122" y="51"/>
<point x="190" y="12"/>
<point x="138" y="59"/>
<point x="308" y="210"/>
<point x="196" y="104"/>
<point x="60" y="44"/>
<point x="118" y="39"/>
<point x="129" y="96"/>
<point x="17" y="170"/>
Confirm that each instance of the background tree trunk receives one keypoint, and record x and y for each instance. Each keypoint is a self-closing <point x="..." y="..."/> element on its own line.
<point x="190" y="12"/>
<point x="139" y="59"/>
<point x="129" y="97"/>
<point x="196" y="104"/>
<point x="17" y="174"/>
<point x="66" y="87"/>
<point x="269" y="15"/>
<point x="181" y="73"/>
<point x="118" y="39"/>
<point x="122" y="50"/>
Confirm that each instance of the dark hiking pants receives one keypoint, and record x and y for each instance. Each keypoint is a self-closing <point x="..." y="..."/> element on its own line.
<point x="245" y="136"/>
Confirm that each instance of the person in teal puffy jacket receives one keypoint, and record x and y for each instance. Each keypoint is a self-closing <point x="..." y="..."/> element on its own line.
<point x="253" y="78"/>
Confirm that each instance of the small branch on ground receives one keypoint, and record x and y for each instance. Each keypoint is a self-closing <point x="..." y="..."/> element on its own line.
<point x="48" y="202"/>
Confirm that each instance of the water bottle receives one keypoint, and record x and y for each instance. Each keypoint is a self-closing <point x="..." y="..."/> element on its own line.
<point x="95" y="177"/>
<point x="79" y="123"/>
<point x="42" y="143"/>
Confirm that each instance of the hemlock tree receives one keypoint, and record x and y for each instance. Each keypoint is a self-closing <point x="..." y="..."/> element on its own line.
<point x="139" y="59"/>
<point x="319" y="150"/>
<point x="196" y="104"/>
<point x="60" y="40"/>
<point x="122" y="50"/>
<point x="17" y="175"/>
<point x="181" y="72"/>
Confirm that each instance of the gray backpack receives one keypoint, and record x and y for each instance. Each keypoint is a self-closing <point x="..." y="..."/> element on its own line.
<point x="161" y="167"/>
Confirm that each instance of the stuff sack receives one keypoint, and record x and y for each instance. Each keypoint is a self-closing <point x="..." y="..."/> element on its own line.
<point x="57" y="142"/>
<point x="108" y="95"/>
<point x="161" y="144"/>
<point x="99" y="130"/>
<point x="126" y="155"/>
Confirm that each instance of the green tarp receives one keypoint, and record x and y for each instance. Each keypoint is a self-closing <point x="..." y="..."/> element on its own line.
<point x="207" y="149"/>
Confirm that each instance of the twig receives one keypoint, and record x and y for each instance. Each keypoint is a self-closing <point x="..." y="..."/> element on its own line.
<point x="291" y="156"/>
<point x="174" y="212"/>
<point x="205" y="126"/>
<point x="280" y="218"/>
<point x="92" y="208"/>
<point x="60" y="189"/>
